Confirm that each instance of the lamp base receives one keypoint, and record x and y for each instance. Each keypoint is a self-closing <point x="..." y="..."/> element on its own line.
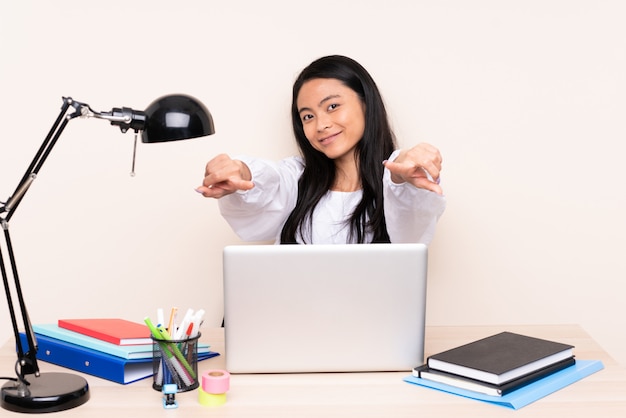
<point x="50" y="392"/>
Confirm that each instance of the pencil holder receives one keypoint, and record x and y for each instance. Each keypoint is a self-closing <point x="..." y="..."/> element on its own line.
<point x="175" y="361"/>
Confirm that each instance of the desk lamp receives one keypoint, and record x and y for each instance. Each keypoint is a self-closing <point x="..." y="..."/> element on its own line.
<point x="168" y="118"/>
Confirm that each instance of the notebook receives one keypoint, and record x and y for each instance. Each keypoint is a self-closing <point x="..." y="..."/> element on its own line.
<point x="324" y="308"/>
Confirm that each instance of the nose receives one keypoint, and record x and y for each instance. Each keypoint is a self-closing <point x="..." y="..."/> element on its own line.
<point x="323" y="122"/>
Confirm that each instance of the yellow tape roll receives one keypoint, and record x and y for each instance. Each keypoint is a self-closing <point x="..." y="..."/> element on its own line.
<point x="210" y="399"/>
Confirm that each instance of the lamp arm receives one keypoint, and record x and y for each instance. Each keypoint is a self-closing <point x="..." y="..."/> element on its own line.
<point x="42" y="154"/>
<point x="125" y="117"/>
<point x="27" y="362"/>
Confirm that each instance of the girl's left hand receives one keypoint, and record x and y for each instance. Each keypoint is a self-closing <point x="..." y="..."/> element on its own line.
<point x="419" y="166"/>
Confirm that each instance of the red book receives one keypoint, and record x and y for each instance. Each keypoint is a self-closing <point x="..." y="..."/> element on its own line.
<point x="113" y="330"/>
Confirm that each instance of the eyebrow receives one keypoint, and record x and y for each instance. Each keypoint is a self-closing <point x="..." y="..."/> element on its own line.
<point x="324" y="100"/>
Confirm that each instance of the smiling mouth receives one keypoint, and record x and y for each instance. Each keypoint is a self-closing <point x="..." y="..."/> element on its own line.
<point x="329" y="138"/>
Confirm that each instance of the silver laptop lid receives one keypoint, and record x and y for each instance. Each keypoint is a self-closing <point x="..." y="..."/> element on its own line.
<point x="324" y="308"/>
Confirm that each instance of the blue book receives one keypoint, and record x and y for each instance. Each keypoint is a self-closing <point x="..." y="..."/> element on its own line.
<point x="93" y="362"/>
<point x="129" y="352"/>
<point x="527" y="394"/>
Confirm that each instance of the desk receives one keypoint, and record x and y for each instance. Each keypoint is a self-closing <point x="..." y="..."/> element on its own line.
<point x="357" y="394"/>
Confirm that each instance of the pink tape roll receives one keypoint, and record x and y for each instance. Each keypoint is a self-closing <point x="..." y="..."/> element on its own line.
<point x="216" y="382"/>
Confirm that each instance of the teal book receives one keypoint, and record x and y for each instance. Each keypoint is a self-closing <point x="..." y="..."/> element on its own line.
<point x="128" y="352"/>
<point x="526" y="395"/>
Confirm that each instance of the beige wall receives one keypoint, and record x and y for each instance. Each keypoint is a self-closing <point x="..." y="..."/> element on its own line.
<point x="525" y="99"/>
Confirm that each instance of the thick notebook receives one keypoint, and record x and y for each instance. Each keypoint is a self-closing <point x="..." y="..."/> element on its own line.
<point x="129" y="352"/>
<point x="527" y="394"/>
<point x="94" y="362"/>
<point x="500" y="358"/>
<point x="461" y="382"/>
<point x="113" y="330"/>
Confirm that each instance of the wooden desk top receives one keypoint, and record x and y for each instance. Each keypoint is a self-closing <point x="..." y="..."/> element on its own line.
<point x="602" y="394"/>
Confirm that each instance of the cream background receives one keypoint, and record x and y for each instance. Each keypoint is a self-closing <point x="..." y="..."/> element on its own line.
<point x="525" y="99"/>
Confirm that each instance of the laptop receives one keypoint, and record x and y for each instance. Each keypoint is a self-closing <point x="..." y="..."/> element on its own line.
<point x="324" y="308"/>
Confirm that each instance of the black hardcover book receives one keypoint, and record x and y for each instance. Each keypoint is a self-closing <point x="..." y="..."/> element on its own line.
<point x="500" y="358"/>
<point x="424" y="372"/>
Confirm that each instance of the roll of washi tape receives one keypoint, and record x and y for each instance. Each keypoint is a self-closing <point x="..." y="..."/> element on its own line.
<point x="211" y="399"/>
<point x="216" y="382"/>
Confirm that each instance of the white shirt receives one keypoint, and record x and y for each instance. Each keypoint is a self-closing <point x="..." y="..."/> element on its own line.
<point x="260" y="213"/>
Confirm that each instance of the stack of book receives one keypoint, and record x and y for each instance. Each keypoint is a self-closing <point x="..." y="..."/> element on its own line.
<point x="502" y="366"/>
<point x="112" y="349"/>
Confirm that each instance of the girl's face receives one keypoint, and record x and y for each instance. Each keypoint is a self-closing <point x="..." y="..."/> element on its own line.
<point x="333" y="116"/>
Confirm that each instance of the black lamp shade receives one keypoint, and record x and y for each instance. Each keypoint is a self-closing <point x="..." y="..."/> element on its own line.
<point x="174" y="117"/>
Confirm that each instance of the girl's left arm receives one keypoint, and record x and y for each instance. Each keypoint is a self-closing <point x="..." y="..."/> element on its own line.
<point x="411" y="213"/>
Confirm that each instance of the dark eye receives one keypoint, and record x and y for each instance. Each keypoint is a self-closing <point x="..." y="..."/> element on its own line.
<point x="307" y="117"/>
<point x="333" y="106"/>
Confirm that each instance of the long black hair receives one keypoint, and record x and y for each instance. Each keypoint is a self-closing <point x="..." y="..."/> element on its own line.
<point x="377" y="144"/>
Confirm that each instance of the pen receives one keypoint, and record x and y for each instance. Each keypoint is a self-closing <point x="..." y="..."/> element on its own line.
<point x="159" y="374"/>
<point x="170" y="326"/>
<point x="197" y="320"/>
<point x="177" y="372"/>
<point x="176" y="352"/>
<point x="153" y="330"/>
<point x="174" y="358"/>
<point x="180" y="332"/>
<point x="190" y="347"/>
<point x="165" y="354"/>
<point x="160" y="316"/>
<point x="163" y="336"/>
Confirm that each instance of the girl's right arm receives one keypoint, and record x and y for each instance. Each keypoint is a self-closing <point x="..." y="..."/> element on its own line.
<point x="258" y="213"/>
